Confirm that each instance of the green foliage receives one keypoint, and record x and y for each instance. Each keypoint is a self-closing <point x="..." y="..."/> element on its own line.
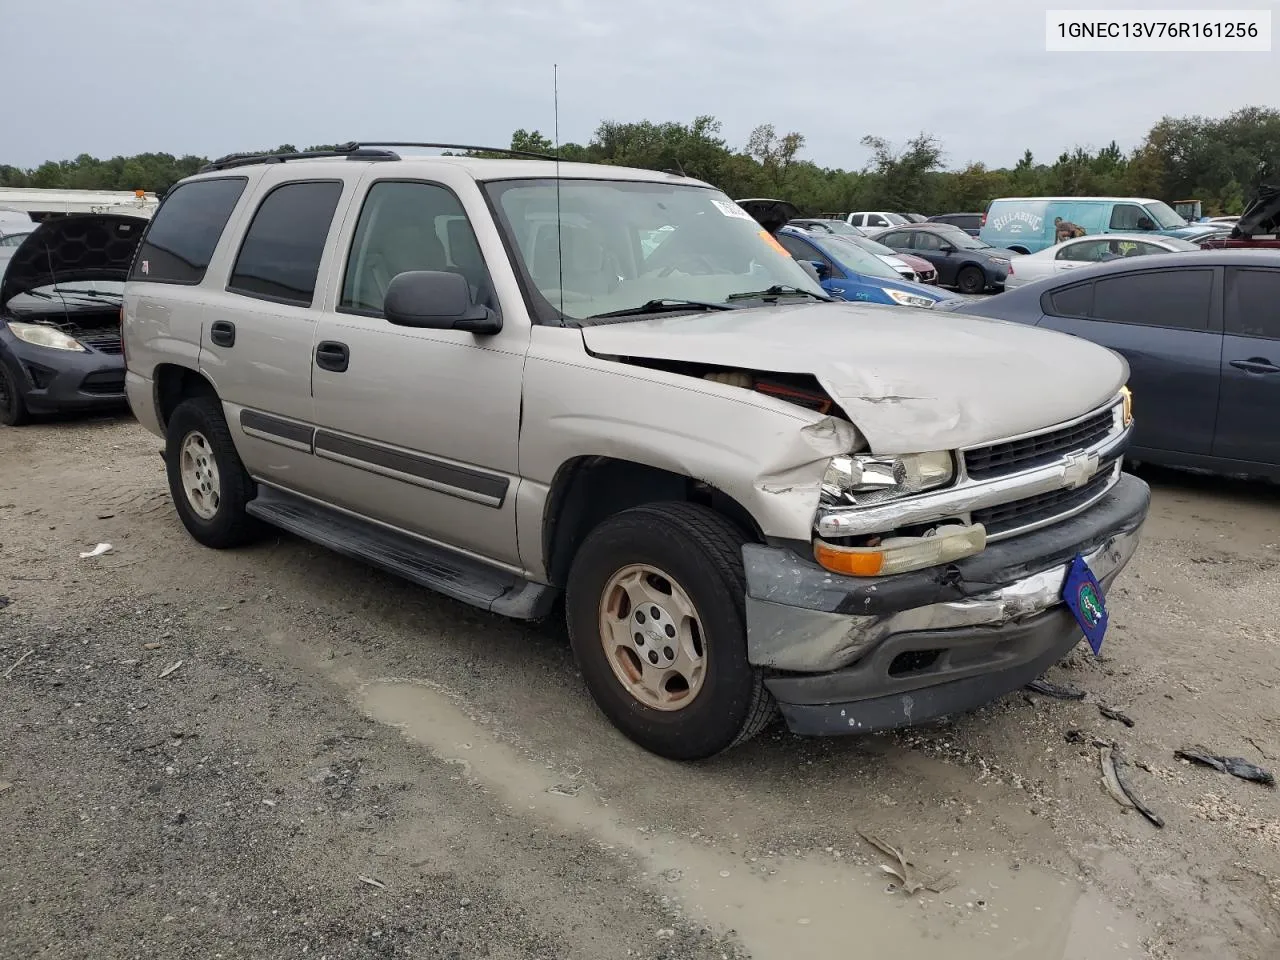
<point x="1220" y="161"/>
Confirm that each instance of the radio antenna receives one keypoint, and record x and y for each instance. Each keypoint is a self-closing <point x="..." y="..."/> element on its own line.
<point x="555" y="101"/>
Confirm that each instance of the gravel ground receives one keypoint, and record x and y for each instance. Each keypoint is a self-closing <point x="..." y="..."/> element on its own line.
<point x="278" y="752"/>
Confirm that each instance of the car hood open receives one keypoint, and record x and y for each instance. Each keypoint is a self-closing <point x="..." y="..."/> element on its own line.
<point x="72" y="249"/>
<point x="909" y="379"/>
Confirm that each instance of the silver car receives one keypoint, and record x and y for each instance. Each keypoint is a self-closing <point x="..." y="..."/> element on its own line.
<point x="520" y="381"/>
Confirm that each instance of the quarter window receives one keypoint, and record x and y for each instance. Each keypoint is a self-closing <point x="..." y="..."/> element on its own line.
<point x="280" y="256"/>
<point x="1177" y="299"/>
<point x="185" y="230"/>
<point x="1252" y="296"/>
<point x="407" y="226"/>
<point x="1073" y="301"/>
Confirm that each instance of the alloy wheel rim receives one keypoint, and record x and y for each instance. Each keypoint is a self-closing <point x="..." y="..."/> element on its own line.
<point x="198" y="470"/>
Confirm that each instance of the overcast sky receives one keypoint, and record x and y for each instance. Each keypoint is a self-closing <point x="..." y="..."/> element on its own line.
<point x="126" y="76"/>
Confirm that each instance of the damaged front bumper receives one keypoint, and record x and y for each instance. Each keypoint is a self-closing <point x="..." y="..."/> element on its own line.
<point x="853" y="654"/>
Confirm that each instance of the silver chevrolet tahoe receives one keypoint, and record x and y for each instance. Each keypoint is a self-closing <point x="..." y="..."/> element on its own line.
<point x="520" y="381"/>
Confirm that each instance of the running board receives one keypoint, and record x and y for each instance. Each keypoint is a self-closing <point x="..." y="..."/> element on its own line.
<point x="460" y="577"/>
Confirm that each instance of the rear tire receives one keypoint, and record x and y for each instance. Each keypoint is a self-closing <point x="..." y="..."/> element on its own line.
<point x="971" y="280"/>
<point x="208" y="482"/>
<point x="13" y="411"/>
<point x="699" y="695"/>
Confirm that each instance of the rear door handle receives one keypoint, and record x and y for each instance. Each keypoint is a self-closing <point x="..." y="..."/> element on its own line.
<point x="1256" y="365"/>
<point x="331" y="355"/>
<point x="223" y="333"/>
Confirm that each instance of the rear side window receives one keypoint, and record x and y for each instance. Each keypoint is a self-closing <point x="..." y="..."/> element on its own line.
<point x="1073" y="301"/>
<point x="1252" y="298"/>
<point x="184" y="232"/>
<point x="280" y="256"/>
<point x="1177" y="299"/>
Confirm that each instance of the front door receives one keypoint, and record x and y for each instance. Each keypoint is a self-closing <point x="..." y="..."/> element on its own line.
<point x="1167" y="325"/>
<point x="1249" y="406"/>
<point x="419" y="429"/>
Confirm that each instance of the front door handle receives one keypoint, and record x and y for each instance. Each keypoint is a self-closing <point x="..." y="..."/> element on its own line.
<point x="223" y="333"/>
<point x="334" y="356"/>
<point x="1256" y="365"/>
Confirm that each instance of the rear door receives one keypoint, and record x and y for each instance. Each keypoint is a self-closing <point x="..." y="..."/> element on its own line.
<point x="1168" y="325"/>
<point x="1249" y="405"/>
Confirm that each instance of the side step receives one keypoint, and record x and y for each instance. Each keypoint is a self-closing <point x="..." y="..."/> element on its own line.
<point x="451" y="574"/>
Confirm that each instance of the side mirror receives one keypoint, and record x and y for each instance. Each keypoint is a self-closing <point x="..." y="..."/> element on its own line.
<point x="821" y="269"/>
<point x="947" y="248"/>
<point x="436" y="300"/>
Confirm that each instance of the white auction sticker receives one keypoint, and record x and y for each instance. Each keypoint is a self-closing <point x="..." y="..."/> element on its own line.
<point x="1158" y="31"/>
<point x="731" y="209"/>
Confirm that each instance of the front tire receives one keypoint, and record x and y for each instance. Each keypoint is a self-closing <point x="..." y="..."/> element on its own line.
<point x="207" y="480"/>
<point x="13" y="411"/>
<point x="971" y="280"/>
<point x="656" y="617"/>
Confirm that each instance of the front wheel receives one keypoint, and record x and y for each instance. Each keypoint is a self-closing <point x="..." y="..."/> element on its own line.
<point x="655" y="610"/>
<point x="971" y="280"/>
<point x="13" y="412"/>
<point x="208" y="483"/>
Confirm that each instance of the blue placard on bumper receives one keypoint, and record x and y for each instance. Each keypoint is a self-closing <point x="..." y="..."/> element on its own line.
<point x="1083" y="596"/>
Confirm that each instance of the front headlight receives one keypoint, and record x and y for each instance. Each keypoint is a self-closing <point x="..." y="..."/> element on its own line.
<point x="42" y="335"/>
<point x="863" y="479"/>
<point x="999" y="260"/>
<point x="904" y="299"/>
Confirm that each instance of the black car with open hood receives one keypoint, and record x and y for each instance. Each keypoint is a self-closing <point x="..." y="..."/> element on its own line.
<point x="60" y="297"/>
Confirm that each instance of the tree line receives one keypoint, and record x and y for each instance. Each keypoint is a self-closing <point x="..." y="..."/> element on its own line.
<point x="1220" y="161"/>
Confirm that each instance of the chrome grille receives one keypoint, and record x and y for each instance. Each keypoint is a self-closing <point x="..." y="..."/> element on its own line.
<point x="1045" y="508"/>
<point x="1027" y="453"/>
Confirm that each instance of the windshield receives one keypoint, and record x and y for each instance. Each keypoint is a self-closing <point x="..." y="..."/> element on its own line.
<point x="837" y="227"/>
<point x="1163" y="215"/>
<point x="850" y="254"/>
<point x="959" y="239"/>
<point x="871" y="246"/>
<point x="623" y="244"/>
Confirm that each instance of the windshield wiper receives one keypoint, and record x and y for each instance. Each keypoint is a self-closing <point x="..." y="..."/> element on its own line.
<point x="662" y="305"/>
<point x="777" y="290"/>
<point x="91" y="292"/>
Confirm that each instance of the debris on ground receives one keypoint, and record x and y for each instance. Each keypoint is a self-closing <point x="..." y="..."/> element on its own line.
<point x="1121" y="769"/>
<point x="97" y="551"/>
<point x="5" y="786"/>
<point x="1115" y="779"/>
<point x="910" y="878"/>
<point x="170" y="669"/>
<point x="4" y="602"/>
<point x="15" y="666"/>
<point x="1074" y="736"/>
<point x="1057" y="691"/>
<point x="372" y="882"/>
<point x="1236" y="766"/>
<point x="1111" y="714"/>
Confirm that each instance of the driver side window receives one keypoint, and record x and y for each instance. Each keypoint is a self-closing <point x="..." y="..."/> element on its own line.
<point x="407" y="226"/>
<point x="1126" y="216"/>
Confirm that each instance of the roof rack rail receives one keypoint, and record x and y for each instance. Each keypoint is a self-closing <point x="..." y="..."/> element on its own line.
<point x="353" y="150"/>
<point x="459" y="146"/>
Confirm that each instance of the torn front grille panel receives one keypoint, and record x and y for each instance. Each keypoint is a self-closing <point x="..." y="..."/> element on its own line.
<point x="1026" y="453"/>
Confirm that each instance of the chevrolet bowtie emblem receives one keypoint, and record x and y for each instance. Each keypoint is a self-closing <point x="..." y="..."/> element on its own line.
<point x="1078" y="469"/>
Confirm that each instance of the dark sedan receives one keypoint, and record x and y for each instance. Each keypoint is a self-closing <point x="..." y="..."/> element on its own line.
<point x="60" y="301"/>
<point x="1201" y="333"/>
<point x="961" y="260"/>
<point x="970" y="223"/>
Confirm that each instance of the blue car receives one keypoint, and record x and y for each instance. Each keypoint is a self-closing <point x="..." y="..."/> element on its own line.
<point x="851" y="273"/>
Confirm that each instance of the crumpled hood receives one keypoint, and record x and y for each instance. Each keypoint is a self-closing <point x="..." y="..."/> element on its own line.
<point x="73" y="249"/>
<point x="911" y="380"/>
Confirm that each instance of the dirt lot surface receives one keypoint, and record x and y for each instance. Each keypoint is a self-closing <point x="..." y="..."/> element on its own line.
<point x="277" y="752"/>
